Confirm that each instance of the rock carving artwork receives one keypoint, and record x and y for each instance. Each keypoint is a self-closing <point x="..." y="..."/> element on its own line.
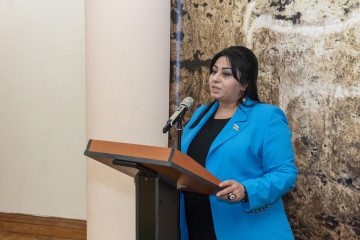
<point x="309" y="65"/>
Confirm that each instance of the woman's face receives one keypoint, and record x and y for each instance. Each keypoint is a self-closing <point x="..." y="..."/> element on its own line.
<point x="223" y="85"/>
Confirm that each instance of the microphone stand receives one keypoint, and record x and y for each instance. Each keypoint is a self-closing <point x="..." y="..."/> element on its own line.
<point x="179" y="129"/>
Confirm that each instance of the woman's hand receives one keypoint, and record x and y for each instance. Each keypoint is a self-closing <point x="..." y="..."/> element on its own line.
<point x="231" y="186"/>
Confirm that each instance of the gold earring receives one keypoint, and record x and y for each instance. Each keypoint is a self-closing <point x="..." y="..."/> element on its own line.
<point x="243" y="98"/>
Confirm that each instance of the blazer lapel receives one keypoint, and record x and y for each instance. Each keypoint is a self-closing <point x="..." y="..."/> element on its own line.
<point x="235" y="125"/>
<point x="190" y="136"/>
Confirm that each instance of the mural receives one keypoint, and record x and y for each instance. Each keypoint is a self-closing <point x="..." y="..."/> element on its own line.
<point x="309" y="66"/>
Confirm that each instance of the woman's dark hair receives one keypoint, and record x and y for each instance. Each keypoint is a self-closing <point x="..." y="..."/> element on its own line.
<point x="243" y="61"/>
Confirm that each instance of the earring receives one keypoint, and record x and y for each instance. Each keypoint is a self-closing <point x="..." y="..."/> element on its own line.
<point x="243" y="98"/>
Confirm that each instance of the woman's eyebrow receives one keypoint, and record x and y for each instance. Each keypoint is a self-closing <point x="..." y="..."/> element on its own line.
<point x="223" y="67"/>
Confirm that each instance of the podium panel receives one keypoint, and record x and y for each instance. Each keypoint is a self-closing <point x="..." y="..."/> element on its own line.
<point x="170" y="163"/>
<point x="159" y="173"/>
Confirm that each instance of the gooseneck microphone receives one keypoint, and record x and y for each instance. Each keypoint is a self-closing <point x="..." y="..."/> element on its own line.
<point x="179" y="113"/>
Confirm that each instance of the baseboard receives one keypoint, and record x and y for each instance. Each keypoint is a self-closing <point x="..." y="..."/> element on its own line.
<point x="43" y="226"/>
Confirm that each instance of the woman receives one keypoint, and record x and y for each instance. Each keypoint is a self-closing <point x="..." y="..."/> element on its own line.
<point x="247" y="145"/>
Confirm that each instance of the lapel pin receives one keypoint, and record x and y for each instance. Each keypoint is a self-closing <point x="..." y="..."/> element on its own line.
<point x="236" y="127"/>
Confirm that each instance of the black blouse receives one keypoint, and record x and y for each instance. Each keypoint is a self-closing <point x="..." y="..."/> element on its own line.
<point x="197" y="206"/>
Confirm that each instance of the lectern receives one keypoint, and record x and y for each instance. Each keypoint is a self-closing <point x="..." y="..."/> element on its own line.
<point x="159" y="173"/>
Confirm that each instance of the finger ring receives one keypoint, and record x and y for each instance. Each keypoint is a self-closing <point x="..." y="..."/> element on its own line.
<point x="231" y="196"/>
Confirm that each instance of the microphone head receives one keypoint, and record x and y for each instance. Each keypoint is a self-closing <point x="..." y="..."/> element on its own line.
<point x="187" y="102"/>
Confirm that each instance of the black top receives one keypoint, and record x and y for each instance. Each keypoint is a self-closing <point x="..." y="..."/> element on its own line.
<point x="197" y="206"/>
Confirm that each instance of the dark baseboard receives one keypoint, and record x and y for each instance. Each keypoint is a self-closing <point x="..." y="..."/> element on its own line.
<point x="43" y="226"/>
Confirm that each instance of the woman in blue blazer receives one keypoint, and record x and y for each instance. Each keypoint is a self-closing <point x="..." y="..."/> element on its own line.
<point x="247" y="145"/>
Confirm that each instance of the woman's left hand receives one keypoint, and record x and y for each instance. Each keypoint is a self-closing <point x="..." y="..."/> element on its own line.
<point x="231" y="187"/>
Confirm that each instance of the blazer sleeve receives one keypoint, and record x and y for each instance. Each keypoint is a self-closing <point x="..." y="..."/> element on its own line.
<point x="278" y="164"/>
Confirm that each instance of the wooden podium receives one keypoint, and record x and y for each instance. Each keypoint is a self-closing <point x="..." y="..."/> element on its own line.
<point x="159" y="173"/>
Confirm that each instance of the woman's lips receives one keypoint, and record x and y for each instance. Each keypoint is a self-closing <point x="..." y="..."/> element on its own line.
<point x="215" y="89"/>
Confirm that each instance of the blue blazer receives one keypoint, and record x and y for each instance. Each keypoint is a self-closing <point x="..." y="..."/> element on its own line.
<point x="255" y="149"/>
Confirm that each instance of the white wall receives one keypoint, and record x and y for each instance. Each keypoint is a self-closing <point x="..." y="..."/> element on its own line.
<point x="42" y="104"/>
<point x="127" y="77"/>
<point x="42" y="108"/>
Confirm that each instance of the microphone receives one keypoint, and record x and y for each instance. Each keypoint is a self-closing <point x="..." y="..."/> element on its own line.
<point x="179" y="113"/>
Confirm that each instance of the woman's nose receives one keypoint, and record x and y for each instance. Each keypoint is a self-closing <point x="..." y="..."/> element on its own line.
<point x="216" y="77"/>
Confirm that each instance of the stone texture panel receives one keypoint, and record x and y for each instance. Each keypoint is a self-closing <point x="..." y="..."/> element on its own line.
<point x="309" y="66"/>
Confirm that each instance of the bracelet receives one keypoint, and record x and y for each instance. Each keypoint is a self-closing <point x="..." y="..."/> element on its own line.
<point x="246" y="197"/>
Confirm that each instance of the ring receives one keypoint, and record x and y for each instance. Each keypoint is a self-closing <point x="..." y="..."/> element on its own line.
<point x="231" y="196"/>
